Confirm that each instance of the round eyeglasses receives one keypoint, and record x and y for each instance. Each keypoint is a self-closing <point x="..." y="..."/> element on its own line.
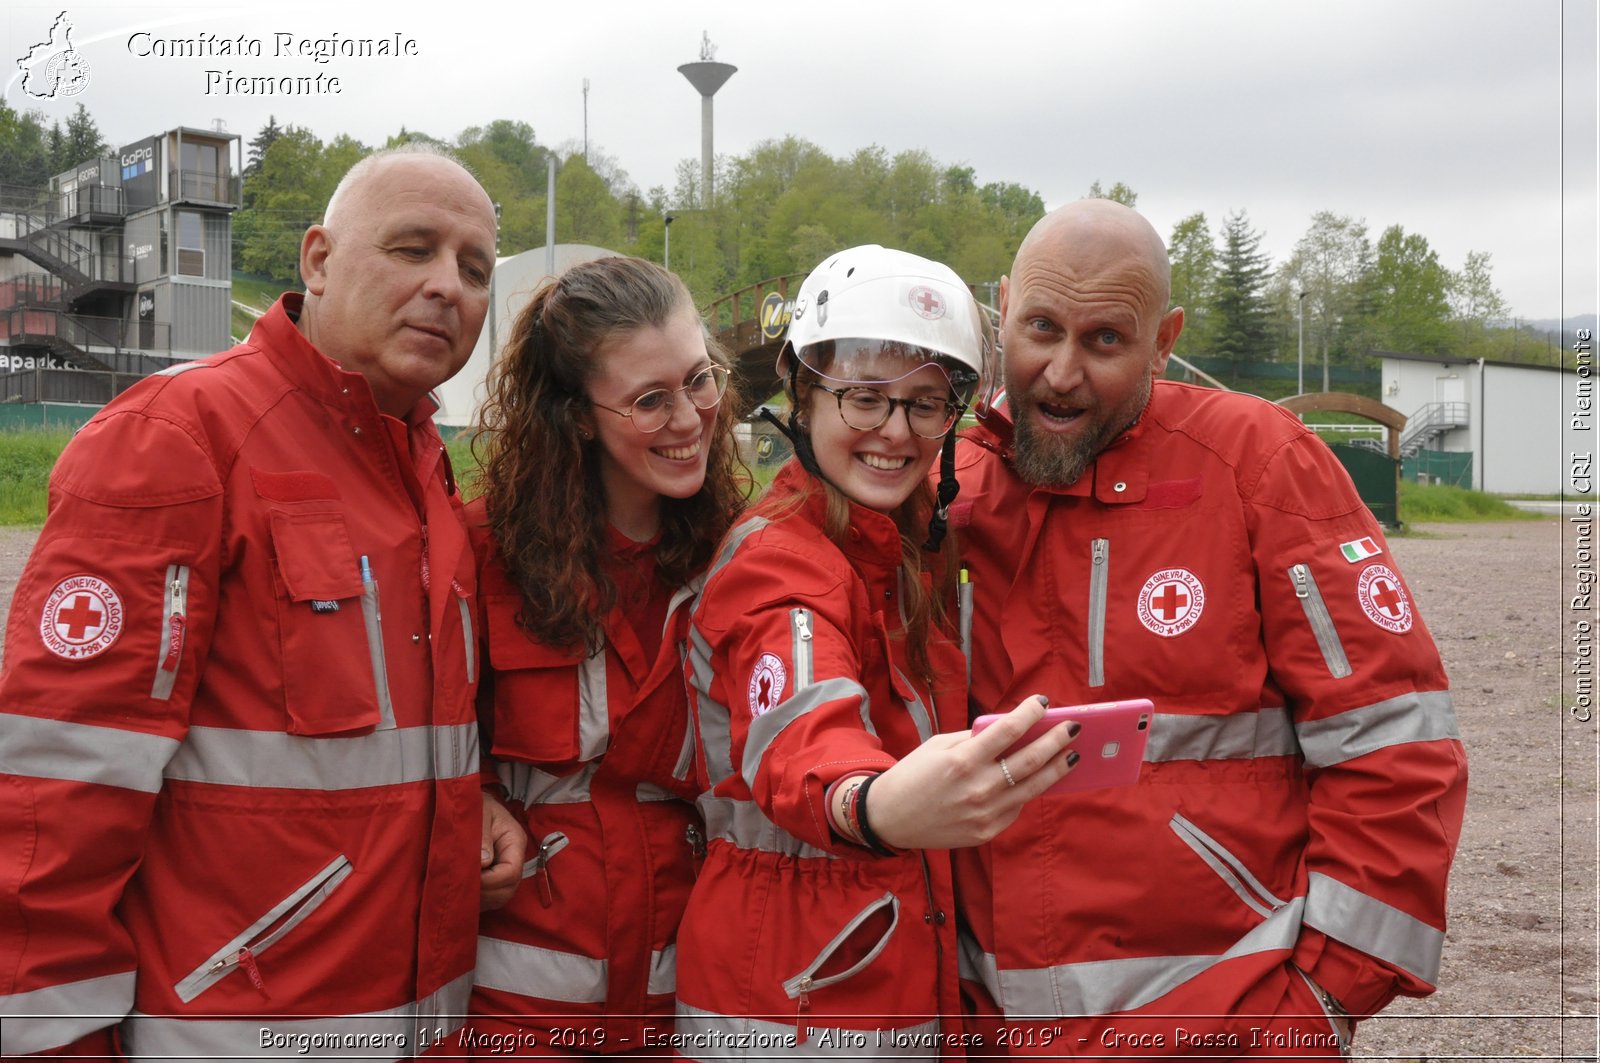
<point x="865" y="409"/>
<point x="651" y="411"/>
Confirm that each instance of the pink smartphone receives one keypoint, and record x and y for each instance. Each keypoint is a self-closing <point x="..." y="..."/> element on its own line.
<point x="1110" y="746"/>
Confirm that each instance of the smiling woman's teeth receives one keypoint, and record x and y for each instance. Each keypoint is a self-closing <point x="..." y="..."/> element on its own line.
<point x="890" y="464"/>
<point x="679" y="453"/>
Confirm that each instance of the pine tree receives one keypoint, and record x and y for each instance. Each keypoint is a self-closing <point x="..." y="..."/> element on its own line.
<point x="1239" y="308"/>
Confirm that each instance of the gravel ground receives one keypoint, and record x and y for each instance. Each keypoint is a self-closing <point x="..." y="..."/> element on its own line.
<point x="1519" y="979"/>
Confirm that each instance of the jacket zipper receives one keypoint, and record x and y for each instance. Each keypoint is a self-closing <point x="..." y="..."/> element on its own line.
<point x="241" y="952"/>
<point x="800" y="621"/>
<point x="1321" y="621"/>
<point x="1228" y="867"/>
<point x="176" y="612"/>
<point x="1099" y="577"/>
<point x="799" y="987"/>
<point x="964" y="609"/>
<point x="467" y="634"/>
<point x="372" y="616"/>
<point x="539" y="867"/>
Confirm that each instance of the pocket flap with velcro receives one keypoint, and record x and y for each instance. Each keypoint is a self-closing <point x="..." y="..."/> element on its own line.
<point x="315" y="557"/>
<point x="511" y="647"/>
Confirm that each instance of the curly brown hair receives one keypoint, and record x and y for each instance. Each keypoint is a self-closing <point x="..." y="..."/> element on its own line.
<point x="540" y="475"/>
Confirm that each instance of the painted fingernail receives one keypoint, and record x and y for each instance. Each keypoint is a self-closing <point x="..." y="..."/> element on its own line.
<point x="1043" y="700"/>
<point x="1073" y="729"/>
<point x="1072" y="759"/>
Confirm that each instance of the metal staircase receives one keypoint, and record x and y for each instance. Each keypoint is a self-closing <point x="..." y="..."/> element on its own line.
<point x="1432" y="421"/>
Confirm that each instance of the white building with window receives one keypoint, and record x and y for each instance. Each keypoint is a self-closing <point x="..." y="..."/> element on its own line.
<point x="1511" y="420"/>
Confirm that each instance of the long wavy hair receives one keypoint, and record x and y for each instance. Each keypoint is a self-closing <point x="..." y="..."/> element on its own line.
<point x="541" y="477"/>
<point x="923" y="608"/>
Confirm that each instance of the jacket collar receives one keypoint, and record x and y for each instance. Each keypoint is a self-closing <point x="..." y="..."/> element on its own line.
<point x="276" y="333"/>
<point x="872" y="539"/>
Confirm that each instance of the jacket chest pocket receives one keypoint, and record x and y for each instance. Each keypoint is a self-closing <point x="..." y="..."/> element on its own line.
<point x="330" y="628"/>
<point x="549" y="701"/>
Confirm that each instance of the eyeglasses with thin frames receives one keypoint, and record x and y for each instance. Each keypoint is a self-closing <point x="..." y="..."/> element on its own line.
<point x="865" y="409"/>
<point x="651" y="411"/>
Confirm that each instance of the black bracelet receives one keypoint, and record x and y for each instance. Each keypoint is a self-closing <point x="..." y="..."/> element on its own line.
<point x="868" y="835"/>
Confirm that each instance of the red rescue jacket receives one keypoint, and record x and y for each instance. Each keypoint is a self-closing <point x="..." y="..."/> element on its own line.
<point x="594" y="753"/>
<point x="236" y="786"/>
<point x="1303" y="790"/>
<point x="796" y="680"/>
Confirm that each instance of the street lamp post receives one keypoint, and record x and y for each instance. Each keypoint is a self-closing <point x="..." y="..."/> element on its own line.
<point x="666" y="247"/>
<point x="1300" y="317"/>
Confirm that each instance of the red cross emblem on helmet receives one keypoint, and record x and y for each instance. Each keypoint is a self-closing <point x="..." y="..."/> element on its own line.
<point x="927" y="302"/>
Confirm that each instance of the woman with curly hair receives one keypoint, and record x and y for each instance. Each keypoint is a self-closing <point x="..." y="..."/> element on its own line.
<point x="608" y="478"/>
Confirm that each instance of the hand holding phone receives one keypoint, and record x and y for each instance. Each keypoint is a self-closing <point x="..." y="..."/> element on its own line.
<point x="1110" y="744"/>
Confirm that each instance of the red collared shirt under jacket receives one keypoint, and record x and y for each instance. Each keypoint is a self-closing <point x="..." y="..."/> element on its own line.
<point x="240" y="806"/>
<point x="1302" y="793"/>
<point x="798" y="677"/>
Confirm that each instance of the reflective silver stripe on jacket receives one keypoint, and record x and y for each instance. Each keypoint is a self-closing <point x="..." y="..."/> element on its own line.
<point x="1229" y="868"/>
<point x="594" y="725"/>
<point x="916" y="707"/>
<point x="1236" y="736"/>
<point x="764" y="729"/>
<point x="1424" y="716"/>
<point x="58" y="1015"/>
<point x="743" y="824"/>
<point x="78" y="752"/>
<point x="1373" y="927"/>
<point x="1100" y="987"/>
<point x="530" y="971"/>
<point x="227" y="756"/>
<point x="741" y="531"/>
<point x="373" y="1035"/>
<point x="708" y="1035"/>
<point x="716" y="735"/>
<point x="663" y="971"/>
<point x="526" y="783"/>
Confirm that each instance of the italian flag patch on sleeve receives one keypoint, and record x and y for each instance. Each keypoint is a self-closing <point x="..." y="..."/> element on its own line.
<point x="1359" y="550"/>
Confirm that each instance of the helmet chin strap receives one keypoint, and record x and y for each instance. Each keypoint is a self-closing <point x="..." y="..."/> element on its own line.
<point x="948" y="488"/>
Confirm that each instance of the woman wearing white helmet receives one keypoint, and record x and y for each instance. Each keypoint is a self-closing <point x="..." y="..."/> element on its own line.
<point x="821" y="676"/>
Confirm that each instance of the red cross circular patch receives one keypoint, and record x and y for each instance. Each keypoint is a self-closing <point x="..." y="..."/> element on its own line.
<point x="1170" y="601"/>
<point x="1383" y="599"/>
<point x="82" y="618"/>
<point x="766" y="684"/>
<point x="927" y="302"/>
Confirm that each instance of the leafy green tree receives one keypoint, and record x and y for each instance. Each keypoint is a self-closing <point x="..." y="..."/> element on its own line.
<point x="82" y="141"/>
<point x="1119" y="193"/>
<point x="1332" y="264"/>
<point x="1194" y="277"/>
<point x="24" y="154"/>
<point x="1238" y="307"/>
<point x="298" y="173"/>
<point x="1476" y="304"/>
<point x="1412" y="309"/>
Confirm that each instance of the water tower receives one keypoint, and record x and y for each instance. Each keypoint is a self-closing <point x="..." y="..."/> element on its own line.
<point x="707" y="76"/>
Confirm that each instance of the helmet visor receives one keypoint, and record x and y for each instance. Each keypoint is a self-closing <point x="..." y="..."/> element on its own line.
<point x="869" y="361"/>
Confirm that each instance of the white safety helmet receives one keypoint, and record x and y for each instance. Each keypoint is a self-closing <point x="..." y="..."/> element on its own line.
<point x="871" y="300"/>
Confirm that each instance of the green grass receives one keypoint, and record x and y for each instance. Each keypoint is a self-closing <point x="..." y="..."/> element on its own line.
<point x="1442" y="503"/>
<point x="255" y="292"/>
<point x="26" y="459"/>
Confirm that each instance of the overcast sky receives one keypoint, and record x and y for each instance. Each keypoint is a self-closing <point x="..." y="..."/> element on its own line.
<point x="1471" y="122"/>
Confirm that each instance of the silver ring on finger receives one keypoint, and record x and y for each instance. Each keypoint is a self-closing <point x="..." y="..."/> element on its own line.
<point x="1007" y="773"/>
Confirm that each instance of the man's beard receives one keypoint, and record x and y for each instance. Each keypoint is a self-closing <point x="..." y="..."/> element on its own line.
<point x="1045" y="459"/>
